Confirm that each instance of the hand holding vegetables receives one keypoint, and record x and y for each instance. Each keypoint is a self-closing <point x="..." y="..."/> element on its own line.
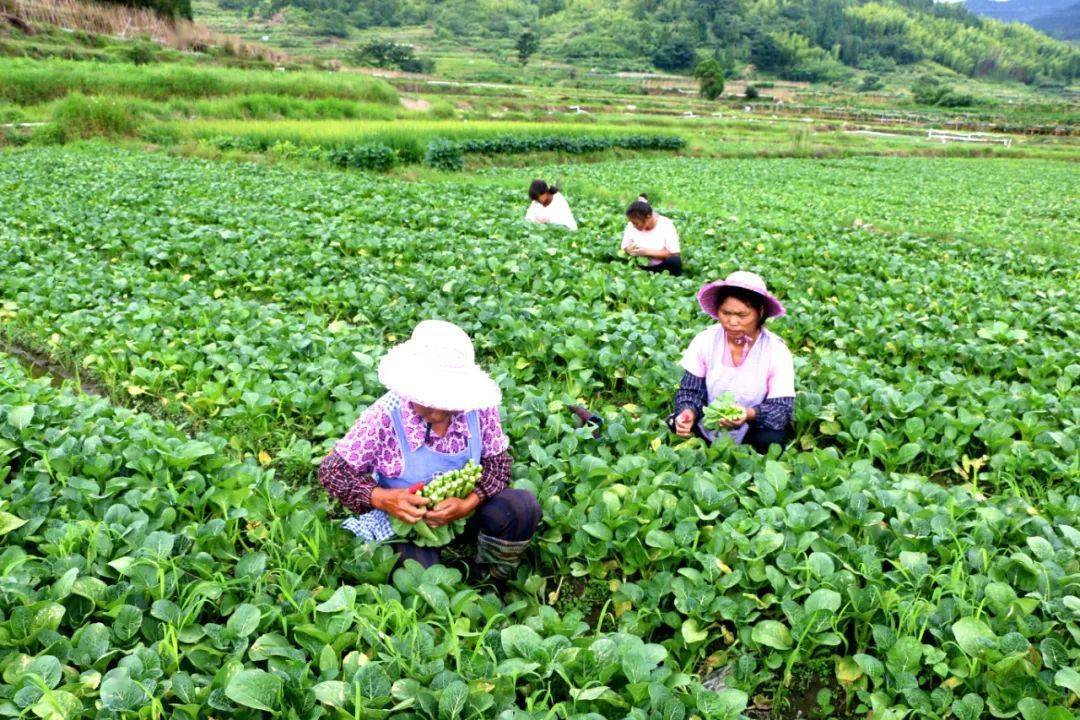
<point x="399" y="504"/>
<point x="724" y="413"/>
<point x="452" y="496"/>
<point x="451" y="509"/>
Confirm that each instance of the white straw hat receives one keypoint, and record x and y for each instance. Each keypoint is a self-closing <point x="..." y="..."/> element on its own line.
<point x="436" y="367"/>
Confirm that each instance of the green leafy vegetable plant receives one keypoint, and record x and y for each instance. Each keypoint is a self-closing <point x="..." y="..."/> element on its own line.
<point x="722" y="408"/>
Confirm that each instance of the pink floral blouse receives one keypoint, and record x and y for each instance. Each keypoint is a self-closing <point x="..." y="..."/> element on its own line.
<point x="372" y="446"/>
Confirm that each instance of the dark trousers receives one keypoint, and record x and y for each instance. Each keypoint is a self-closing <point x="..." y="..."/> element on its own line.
<point x="672" y="264"/>
<point x="761" y="438"/>
<point x="758" y="438"/>
<point x="511" y="515"/>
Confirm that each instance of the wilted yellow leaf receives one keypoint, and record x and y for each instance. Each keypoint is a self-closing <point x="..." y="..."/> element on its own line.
<point x="264" y="458"/>
<point x="135" y="390"/>
<point x="847" y="671"/>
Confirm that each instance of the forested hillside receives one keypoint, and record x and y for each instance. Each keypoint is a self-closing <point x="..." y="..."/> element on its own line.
<point x="1058" y="18"/>
<point x="818" y="40"/>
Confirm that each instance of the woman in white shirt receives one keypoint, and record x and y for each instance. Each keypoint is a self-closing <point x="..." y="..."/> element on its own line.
<point x="651" y="235"/>
<point x="549" y="206"/>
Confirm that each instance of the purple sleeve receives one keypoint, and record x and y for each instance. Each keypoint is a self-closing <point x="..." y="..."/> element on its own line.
<point x="774" y="413"/>
<point x="346" y="484"/>
<point x="494" y="476"/>
<point x="371" y="444"/>
<point x="691" y="394"/>
<point x="492" y="438"/>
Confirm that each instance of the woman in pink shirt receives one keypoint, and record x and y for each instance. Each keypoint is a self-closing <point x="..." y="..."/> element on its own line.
<point x="738" y="355"/>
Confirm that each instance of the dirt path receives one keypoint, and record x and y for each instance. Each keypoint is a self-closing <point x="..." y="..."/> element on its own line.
<point x="43" y="366"/>
<point x="415" y="103"/>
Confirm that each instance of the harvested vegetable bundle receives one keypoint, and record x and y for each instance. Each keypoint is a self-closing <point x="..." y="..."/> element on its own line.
<point x="722" y="408"/>
<point x="456" y="483"/>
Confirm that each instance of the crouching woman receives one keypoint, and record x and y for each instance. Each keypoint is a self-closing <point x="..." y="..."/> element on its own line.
<point x="738" y="355"/>
<point x="440" y="412"/>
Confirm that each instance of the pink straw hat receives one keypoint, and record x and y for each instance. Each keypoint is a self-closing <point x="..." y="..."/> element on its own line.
<point x="709" y="294"/>
<point x="436" y="367"/>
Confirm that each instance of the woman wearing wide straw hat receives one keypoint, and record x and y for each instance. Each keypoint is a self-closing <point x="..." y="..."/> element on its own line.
<point x="738" y="355"/>
<point x="441" y="411"/>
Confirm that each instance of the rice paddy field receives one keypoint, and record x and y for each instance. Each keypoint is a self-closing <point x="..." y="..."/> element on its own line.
<point x="166" y="551"/>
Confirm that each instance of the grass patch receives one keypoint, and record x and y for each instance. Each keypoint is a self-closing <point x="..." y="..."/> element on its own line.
<point x="79" y="117"/>
<point x="27" y="82"/>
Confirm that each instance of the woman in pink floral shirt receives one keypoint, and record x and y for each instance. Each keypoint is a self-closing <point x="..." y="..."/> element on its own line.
<point x="441" y="412"/>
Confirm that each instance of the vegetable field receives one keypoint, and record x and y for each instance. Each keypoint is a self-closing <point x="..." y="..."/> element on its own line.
<point x="165" y="551"/>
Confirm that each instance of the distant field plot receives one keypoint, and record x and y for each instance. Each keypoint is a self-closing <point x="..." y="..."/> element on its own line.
<point x="394" y="132"/>
<point x="1014" y="204"/>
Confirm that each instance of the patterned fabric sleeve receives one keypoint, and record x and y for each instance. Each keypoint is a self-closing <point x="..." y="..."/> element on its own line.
<point x="774" y="413"/>
<point x="494" y="475"/>
<point x="371" y="443"/>
<point x="691" y="394"/>
<point x="492" y="438"/>
<point x="346" y="484"/>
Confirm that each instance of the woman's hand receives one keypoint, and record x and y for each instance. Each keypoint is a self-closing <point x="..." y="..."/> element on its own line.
<point x="451" y="509"/>
<point x="748" y="414"/>
<point x="402" y="504"/>
<point x="684" y="423"/>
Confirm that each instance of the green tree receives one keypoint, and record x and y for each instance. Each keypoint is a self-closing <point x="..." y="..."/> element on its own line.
<point x="674" y="54"/>
<point x="387" y="54"/>
<point x="527" y="45"/>
<point x="710" y="75"/>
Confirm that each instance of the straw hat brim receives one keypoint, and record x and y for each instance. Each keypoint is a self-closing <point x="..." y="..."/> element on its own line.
<point x="456" y="389"/>
<point x="709" y="293"/>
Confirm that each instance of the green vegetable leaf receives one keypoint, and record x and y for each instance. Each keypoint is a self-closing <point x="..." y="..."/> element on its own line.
<point x="973" y="635"/>
<point x="20" y="417"/>
<point x="255" y="689"/>
<point x="244" y="620"/>
<point x="823" y="599"/>
<point x="1068" y="678"/>
<point x="772" y="633"/>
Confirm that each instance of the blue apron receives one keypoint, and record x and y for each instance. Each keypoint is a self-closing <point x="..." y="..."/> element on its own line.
<point x="419" y="465"/>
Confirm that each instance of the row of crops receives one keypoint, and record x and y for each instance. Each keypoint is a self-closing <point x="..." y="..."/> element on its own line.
<point x="439" y="152"/>
<point x="916" y="551"/>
